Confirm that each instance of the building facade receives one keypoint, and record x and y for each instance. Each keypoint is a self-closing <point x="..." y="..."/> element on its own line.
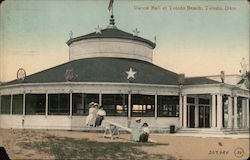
<point x="114" y="68"/>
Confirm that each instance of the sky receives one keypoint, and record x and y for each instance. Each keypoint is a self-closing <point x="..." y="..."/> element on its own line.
<point x="198" y="38"/>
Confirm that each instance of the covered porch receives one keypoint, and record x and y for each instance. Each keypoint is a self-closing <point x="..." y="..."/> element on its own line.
<point x="219" y="108"/>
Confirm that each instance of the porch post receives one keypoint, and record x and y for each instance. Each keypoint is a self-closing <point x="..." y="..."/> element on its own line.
<point x="230" y="111"/>
<point x="219" y="111"/>
<point x="24" y="97"/>
<point x="210" y="112"/>
<point x="185" y="111"/>
<point x="196" y="112"/>
<point x="129" y="108"/>
<point x="156" y="106"/>
<point x="235" y="113"/>
<point x="180" y="111"/>
<point x="100" y="98"/>
<point x="188" y="116"/>
<point x="243" y="106"/>
<point x="0" y="103"/>
<point x="70" y="104"/>
<point x="248" y="118"/>
<point x="213" y="110"/>
<point x="11" y="101"/>
<point x="46" y="104"/>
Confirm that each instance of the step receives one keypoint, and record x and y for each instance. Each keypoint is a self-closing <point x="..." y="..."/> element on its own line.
<point x="200" y="131"/>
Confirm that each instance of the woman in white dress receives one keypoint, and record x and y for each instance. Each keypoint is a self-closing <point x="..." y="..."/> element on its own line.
<point x="90" y="116"/>
<point x="94" y="114"/>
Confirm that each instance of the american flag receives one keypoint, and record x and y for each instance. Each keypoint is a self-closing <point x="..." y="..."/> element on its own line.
<point x="110" y="4"/>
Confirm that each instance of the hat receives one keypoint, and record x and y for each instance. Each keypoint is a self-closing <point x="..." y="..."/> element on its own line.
<point x="91" y="103"/>
<point x="137" y="119"/>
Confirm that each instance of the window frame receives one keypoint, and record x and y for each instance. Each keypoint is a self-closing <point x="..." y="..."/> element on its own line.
<point x="142" y="101"/>
<point x="42" y="96"/>
<point x="85" y="100"/>
<point x="171" y="104"/>
<point x="14" y="107"/>
<point x="9" y="103"/>
<point x="115" y="99"/>
<point x="65" y="110"/>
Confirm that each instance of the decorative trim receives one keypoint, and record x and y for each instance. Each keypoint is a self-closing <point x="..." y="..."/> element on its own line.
<point x="90" y="83"/>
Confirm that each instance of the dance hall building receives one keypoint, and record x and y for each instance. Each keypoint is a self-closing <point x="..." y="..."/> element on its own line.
<point x="114" y="68"/>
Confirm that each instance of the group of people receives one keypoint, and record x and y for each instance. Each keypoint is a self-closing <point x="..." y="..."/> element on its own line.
<point x="96" y="115"/>
<point x="140" y="132"/>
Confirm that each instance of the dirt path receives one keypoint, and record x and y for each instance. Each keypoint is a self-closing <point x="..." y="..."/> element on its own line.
<point x="52" y="144"/>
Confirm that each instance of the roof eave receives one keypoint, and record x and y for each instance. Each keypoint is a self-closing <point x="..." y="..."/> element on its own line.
<point x="70" y="41"/>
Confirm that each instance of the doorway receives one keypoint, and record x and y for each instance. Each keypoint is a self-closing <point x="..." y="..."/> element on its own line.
<point x="204" y="116"/>
<point x="191" y="116"/>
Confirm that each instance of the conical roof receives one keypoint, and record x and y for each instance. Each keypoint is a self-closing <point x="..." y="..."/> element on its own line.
<point x="104" y="69"/>
<point x="110" y="70"/>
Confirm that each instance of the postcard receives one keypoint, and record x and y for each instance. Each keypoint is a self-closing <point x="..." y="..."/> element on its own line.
<point x="124" y="79"/>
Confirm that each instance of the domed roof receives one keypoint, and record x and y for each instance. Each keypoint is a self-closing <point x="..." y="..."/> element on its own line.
<point x="111" y="33"/>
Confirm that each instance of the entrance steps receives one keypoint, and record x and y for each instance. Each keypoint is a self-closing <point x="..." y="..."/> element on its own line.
<point x="236" y="131"/>
<point x="214" y="131"/>
<point x="200" y="131"/>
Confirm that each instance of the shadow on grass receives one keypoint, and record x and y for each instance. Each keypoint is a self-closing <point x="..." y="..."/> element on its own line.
<point x="70" y="148"/>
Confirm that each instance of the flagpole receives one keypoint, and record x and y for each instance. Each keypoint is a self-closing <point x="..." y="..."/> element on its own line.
<point x="112" y="13"/>
<point x="112" y="10"/>
<point x="112" y="20"/>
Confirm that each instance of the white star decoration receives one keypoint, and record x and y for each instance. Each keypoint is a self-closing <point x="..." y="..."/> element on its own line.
<point x="131" y="74"/>
<point x="136" y="32"/>
<point x="98" y="30"/>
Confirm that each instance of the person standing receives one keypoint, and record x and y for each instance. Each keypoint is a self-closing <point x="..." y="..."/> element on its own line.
<point x="100" y="116"/>
<point x="137" y="130"/>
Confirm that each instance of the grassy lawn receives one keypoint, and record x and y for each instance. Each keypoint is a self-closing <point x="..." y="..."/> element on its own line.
<point x="72" y="148"/>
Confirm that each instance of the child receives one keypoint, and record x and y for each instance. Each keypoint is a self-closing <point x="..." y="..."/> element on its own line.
<point x="145" y="128"/>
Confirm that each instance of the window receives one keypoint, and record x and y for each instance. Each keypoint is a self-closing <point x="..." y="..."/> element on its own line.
<point x="190" y="100"/>
<point x="35" y="104"/>
<point x="115" y="104"/>
<point x="59" y="104"/>
<point x="17" y="104"/>
<point x="80" y="104"/>
<point x="204" y="101"/>
<point x="5" y="104"/>
<point x="168" y="106"/>
<point x="143" y="105"/>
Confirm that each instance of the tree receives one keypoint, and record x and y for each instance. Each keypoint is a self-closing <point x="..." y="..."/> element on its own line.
<point x="248" y="75"/>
